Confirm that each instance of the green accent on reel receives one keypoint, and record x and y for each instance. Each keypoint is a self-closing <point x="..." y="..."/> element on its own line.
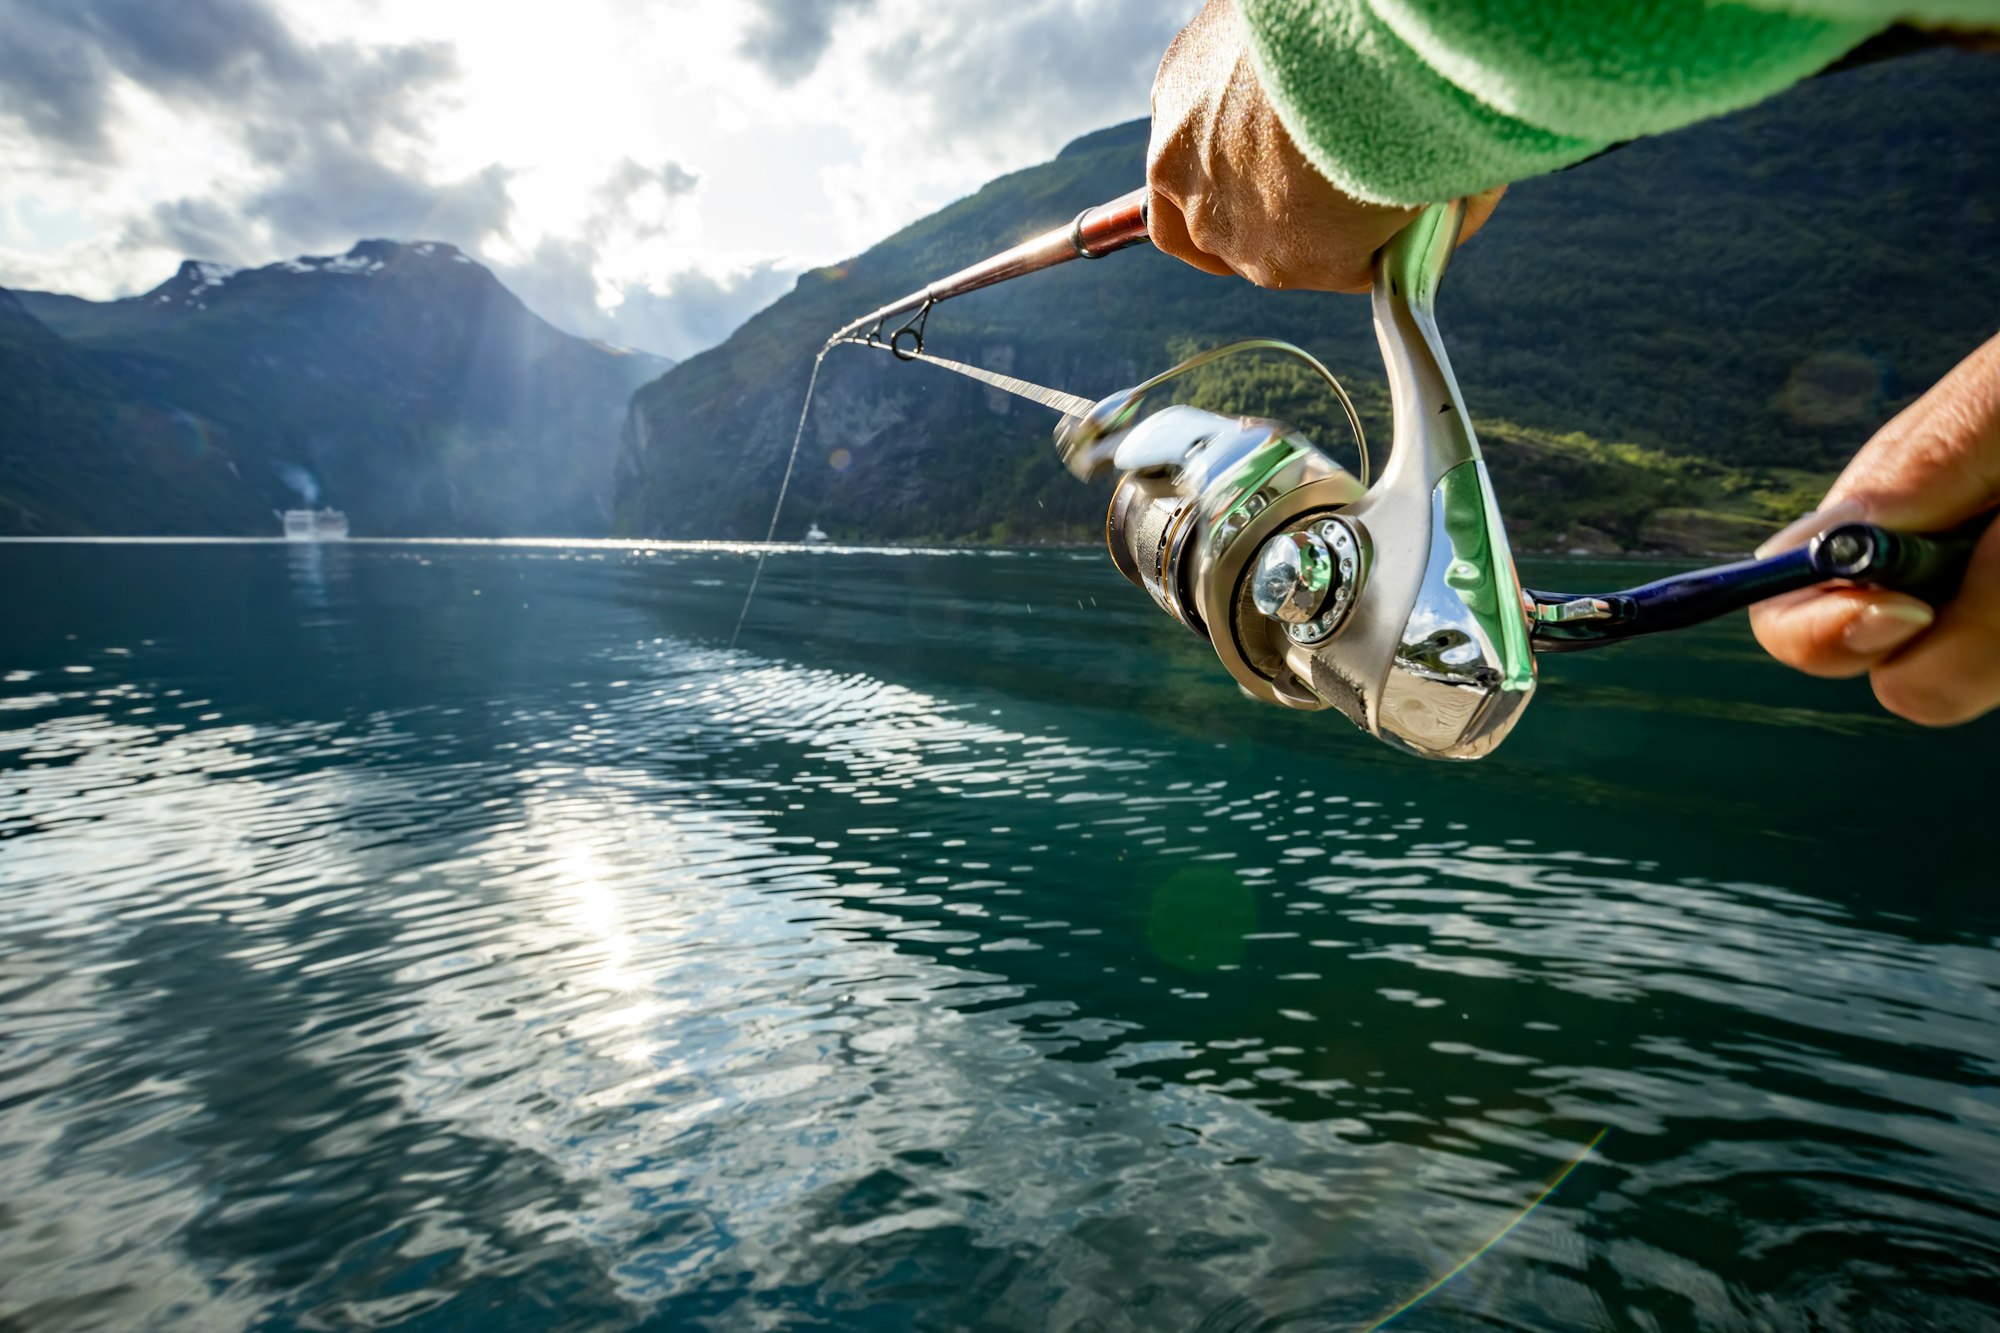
<point x="1482" y="569"/>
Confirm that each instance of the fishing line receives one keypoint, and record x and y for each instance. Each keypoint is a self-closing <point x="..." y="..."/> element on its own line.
<point x="1069" y="405"/>
<point x="1066" y="403"/>
<point x="1074" y="407"/>
<point x="1496" y="1237"/>
<point x="791" y="460"/>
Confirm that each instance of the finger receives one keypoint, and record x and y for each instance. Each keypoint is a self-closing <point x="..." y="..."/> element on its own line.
<point x="1168" y="228"/>
<point x="1952" y="673"/>
<point x="1838" y="632"/>
<point x="1938" y="463"/>
<point x="1209" y="226"/>
<point x="1478" y="208"/>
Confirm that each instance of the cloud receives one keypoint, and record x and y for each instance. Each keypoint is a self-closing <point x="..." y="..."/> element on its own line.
<point x="195" y="228"/>
<point x="51" y="80"/>
<point x="61" y="57"/>
<point x="786" y="38"/>
<point x="598" y="284"/>
<point x="677" y="164"/>
<point x="335" y="195"/>
<point x="61" y="62"/>
<point x="694" y="309"/>
<point x="330" y="132"/>
<point x="1002" y="74"/>
<point x="557" y="281"/>
<point x="638" y="202"/>
<point x="327" y="200"/>
<point x="628" y="178"/>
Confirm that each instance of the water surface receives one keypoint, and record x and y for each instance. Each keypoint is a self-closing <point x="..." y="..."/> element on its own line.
<point x="458" y="936"/>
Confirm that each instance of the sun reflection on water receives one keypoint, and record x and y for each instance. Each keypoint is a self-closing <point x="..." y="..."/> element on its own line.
<point x="644" y="981"/>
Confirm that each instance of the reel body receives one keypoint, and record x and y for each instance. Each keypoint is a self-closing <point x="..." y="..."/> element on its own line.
<point x="1396" y="604"/>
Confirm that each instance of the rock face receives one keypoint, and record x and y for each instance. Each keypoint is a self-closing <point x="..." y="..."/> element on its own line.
<point x="401" y="383"/>
<point x="1750" y="297"/>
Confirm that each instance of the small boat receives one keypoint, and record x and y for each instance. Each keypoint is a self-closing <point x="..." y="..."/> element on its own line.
<point x="816" y="537"/>
<point x="315" y="525"/>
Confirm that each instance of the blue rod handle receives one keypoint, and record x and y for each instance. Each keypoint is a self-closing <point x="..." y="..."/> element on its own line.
<point x="1927" y="565"/>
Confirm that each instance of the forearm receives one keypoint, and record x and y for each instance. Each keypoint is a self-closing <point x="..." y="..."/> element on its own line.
<point x="1413" y="101"/>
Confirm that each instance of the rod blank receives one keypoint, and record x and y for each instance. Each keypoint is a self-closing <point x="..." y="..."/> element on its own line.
<point x="1095" y="231"/>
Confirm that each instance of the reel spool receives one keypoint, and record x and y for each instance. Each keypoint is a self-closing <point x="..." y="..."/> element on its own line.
<point x="1190" y="533"/>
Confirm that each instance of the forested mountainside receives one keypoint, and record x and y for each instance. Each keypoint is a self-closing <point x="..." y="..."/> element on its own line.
<point x="1670" y="347"/>
<point x="401" y="383"/>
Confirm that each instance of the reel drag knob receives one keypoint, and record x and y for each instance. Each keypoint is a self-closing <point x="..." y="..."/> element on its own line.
<point x="1295" y="576"/>
<point x="1307" y="580"/>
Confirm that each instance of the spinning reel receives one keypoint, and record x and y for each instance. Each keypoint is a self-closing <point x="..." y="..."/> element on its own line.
<point x="1395" y="602"/>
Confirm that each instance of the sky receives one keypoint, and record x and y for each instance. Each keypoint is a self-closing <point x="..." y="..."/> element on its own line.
<point x="649" y="172"/>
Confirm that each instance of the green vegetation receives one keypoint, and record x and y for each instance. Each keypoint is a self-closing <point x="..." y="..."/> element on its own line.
<point x="1672" y="347"/>
<point x="1563" y="492"/>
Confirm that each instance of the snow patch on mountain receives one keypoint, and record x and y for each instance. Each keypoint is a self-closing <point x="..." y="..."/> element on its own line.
<point x="371" y="257"/>
<point x="210" y="276"/>
<point x="347" y="263"/>
<point x="195" y="279"/>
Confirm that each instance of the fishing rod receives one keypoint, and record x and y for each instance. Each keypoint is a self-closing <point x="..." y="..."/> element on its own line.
<point x="1393" y="600"/>
<point x="1094" y="233"/>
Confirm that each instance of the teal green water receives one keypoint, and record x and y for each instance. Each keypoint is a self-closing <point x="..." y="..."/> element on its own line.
<point x="461" y="937"/>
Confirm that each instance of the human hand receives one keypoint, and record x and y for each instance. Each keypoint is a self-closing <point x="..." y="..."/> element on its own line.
<point x="1933" y="467"/>
<point x="1229" y="190"/>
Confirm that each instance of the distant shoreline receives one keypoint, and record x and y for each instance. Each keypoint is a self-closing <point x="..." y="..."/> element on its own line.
<point x="735" y="547"/>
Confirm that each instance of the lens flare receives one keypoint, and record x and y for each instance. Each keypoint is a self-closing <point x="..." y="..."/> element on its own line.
<point x="1198" y="916"/>
<point x="1496" y="1237"/>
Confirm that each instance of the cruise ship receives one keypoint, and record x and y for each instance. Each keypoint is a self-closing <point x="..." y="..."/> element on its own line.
<point x="315" y="525"/>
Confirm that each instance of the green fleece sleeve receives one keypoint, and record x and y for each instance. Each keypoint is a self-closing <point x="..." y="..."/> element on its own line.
<point x="1413" y="101"/>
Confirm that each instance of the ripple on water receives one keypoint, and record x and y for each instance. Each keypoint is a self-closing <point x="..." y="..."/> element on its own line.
<point x="707" y="987"/>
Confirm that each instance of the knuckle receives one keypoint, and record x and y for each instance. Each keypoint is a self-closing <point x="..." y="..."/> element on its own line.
<point x="1173" y="161"/>
<point x="1207" y="225"/>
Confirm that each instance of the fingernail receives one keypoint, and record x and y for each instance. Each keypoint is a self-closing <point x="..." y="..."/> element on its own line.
<point x="1799" y="530"/>
<point x="1885" y="625"/>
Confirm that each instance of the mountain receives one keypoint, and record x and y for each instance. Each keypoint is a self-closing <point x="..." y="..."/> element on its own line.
<point x="77" y="456"/>
<point x="1670" y="347"/>
<point x="401" y="383"/>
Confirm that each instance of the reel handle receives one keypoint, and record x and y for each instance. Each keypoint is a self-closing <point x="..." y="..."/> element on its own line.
<point x="1928" y="565"/>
